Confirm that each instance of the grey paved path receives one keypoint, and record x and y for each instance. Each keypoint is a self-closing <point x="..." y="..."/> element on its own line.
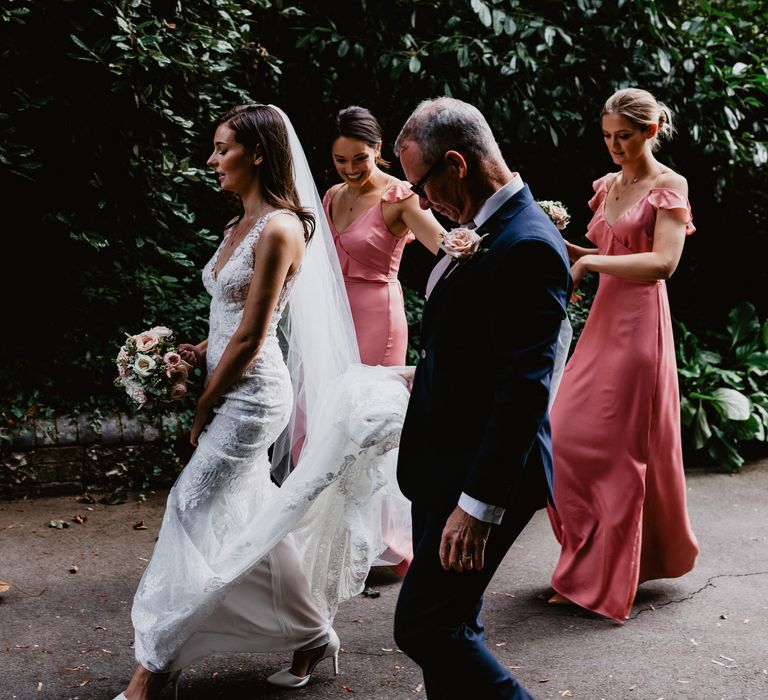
<point x="705" y="636"/>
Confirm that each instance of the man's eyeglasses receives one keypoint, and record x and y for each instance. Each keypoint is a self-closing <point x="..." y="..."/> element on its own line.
<point x="418" y="188"/>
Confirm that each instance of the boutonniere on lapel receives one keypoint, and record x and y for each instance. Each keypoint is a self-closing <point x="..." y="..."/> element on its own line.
<point x="461" y="244"/>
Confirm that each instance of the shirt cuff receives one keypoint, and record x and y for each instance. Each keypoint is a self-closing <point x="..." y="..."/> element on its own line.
<point x="482" y="511"/>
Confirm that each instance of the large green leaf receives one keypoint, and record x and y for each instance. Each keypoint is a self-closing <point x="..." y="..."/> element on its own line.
<point x="701" y="429"/>
<point x="742" y="323"/>
<point x="732" y="403"/>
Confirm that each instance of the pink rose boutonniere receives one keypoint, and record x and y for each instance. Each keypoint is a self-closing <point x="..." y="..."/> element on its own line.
<point x="461" y="244"/>
<point x="556" y="211"/>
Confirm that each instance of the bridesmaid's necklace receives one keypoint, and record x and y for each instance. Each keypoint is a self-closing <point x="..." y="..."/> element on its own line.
<point x="621" y="192"/>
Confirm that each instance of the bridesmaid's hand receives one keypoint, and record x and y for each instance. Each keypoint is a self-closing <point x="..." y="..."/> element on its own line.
<point x="578" y="270"/>
<point x="203" y="416"/>
<point x="573" y="251"/>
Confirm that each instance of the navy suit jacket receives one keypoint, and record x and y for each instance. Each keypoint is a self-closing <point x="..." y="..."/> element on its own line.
<point x="477" y="419"/>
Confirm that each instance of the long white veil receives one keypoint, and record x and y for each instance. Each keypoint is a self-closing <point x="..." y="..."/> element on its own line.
<point x="317" y="331"/>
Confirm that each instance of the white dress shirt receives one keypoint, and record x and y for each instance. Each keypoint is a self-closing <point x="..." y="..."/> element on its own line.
<point x="477" y="509"/>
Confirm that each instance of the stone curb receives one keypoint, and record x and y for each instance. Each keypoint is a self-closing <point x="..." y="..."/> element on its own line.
<point x="113" y="429"/>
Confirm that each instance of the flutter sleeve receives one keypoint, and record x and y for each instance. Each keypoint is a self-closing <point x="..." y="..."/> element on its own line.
<point x="600" y="186"/>
<point x="397" y="192"/>
<point x="666" y="198"/>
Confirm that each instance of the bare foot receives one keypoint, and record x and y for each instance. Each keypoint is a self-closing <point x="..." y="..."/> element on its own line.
<point x="558" y="599"/>
<point x="145" y="685"/>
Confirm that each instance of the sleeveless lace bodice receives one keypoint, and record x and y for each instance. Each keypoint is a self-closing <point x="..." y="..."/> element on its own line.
<point x="229" y="290"/>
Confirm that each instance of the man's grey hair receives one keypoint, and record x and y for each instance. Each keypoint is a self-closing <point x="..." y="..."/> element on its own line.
<point x="445" y="123"/>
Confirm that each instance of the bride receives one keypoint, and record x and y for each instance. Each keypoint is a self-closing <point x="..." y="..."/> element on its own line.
<point x="241" y="565"/>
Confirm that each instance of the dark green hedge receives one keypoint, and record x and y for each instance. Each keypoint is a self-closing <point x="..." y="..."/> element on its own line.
<point x="106" y="122"/>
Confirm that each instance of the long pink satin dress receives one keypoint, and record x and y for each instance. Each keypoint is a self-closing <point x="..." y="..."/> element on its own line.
<point x="619" y="486"/>
<point x="370" y="259"/>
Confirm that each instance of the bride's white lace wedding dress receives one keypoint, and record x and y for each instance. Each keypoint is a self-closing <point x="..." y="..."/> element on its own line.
<point x="242" y="565"/>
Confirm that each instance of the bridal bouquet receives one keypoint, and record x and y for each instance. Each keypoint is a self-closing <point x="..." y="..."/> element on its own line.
<point x="150" y="368"/>
<point x="555" y="211"/>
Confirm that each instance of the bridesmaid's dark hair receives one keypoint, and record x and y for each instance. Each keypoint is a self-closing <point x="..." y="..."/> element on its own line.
<point x="359" y="124"/>
<point x="259" y="128"/>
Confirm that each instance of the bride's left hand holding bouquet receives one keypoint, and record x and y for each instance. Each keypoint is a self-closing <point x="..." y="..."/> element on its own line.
<point x="151" y="369"/>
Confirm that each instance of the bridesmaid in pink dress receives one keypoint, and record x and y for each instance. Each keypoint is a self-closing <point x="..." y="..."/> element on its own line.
<point x="373" y="216"/>
<point x="619" y="487"/>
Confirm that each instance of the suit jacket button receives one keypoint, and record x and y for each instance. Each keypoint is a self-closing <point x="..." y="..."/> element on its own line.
<point x="498" y="511"/>
<point x="423" y="354"/>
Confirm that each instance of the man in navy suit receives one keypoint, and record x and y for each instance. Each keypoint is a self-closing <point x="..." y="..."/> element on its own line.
<point x="475" y="453"/>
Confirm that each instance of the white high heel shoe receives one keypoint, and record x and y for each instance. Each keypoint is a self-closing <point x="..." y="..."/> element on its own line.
<point x="285" y="679"/>
<point x="173" y="679"/>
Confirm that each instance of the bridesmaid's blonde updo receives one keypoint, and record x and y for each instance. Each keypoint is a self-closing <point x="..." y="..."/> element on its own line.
<point x="642" y="109"/>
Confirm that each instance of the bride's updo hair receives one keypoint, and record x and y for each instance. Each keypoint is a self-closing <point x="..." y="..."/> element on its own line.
<point x="359" y="124"/>
<point x="261" y="130"/>
<point x="642" y="109"/>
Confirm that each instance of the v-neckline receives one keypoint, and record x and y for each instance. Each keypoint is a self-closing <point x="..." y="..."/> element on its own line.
<point x="365" y="213"/>
<point x="216" y="274"/>
<point x="354" y="221"/>
<point x="625" y="212"/>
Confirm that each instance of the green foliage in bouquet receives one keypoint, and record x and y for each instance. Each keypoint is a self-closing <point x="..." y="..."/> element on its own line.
<point x="724" y="402"/>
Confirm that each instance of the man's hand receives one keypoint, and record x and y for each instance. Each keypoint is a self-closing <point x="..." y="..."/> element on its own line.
<point x="462" y="546"/>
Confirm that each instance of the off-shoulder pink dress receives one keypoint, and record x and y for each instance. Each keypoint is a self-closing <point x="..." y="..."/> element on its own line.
<point x="370" y="259"/>
<point x="619" y="486"/>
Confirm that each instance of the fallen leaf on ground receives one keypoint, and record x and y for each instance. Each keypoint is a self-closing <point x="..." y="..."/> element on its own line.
<point x="369" y="592"/>
<point x="544" y="680"/>
<point x="501" y="644"/>
<point x="74" y="569"/>
<point x="39" y="686"/>
<point x="99" y="627"/>
<point x="418" y="688"/>
<point x="58" y="524"/>
<point x="566" y="694"/>
<point x="347" y="688"/>
<point x="5" y="586"/>
<point x="80" y="519"/>
<point x="140" y="526"/>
